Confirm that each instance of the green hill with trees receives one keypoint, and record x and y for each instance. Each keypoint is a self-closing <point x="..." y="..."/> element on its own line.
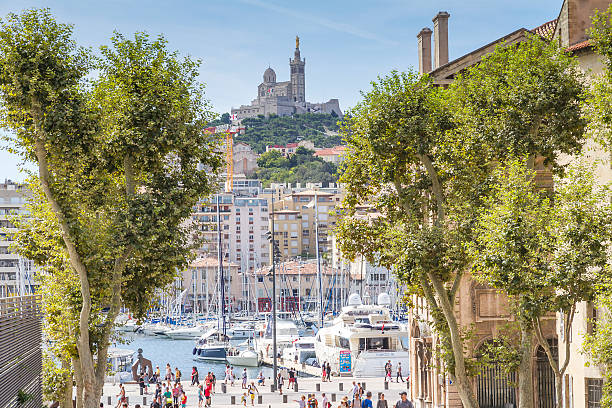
<point x="280" y="130"/>
<point x="301" y="167"/>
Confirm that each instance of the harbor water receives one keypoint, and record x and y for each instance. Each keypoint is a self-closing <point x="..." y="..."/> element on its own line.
<point x="162" y="350"/>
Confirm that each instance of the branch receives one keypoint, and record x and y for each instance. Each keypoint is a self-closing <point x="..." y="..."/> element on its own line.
<point x="542" y="340"/>
<point x="569" y="318"/>
<point x="436" y="186"/>
<point x="455" y="286"/>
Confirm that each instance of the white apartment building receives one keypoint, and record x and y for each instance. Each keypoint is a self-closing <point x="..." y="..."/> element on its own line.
<point x="16" y="272"/>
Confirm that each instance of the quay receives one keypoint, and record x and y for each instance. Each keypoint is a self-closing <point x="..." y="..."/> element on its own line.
<point x="301" y="369"/>
<point x="335" y="390"/>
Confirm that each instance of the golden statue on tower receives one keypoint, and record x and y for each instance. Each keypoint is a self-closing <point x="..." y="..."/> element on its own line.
<point x="297" y="42"/>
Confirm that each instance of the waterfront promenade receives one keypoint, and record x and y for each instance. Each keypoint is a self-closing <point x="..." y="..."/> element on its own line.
<point x="334" y="390"/>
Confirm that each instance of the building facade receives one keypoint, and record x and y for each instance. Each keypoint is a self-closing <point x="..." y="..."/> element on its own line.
<point x="16" y="272"/>
<point x="285" y="98"/>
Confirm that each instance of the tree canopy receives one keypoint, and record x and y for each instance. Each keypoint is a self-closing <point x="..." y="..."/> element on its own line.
<point x="121" y="161"/>
<point x="300" y="167"/>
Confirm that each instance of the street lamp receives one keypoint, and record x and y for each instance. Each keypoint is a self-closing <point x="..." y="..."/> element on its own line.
<point x="275" y="257"/>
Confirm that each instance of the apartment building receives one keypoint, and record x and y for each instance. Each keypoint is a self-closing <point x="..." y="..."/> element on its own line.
<point x="16" y="272"/>
<point x="302" y="205"/>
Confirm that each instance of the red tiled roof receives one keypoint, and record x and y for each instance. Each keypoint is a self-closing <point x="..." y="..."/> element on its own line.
<point x="208" y="263"/>
<point x="331" y="151"/>
<point x="292" y="145"/>
<point x="578" y="46"/>
<point x="546" y="30"/>
<point x="295" y="268"/>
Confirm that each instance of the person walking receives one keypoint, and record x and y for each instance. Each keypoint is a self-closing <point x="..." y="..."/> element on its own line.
<point x="195" y="376"/>
<point x="399" y="373"/>
<point x="252" y="390"/>
<point x="227" y="373"/>
<point x="328" y="369"/>
<point x="244" y="379"/>
<point x="324" y="401"/>
<point x="121" y="395"/>
<point x="291" y="378"/>
<point x="177" y="375"/>
<point x="207" y="394"/>
<point x="200" y="396"/>
<point x="367" y="402"/>
<point x="280" y="383"/>
<point x="323" y="371"/>
<point x="176" y="391"/>
<point x="232" y="376"/>
<point x="404" y="402"/>
<point x="168" y="373"/>
<point x="382" y="402"/>
<point x="301" y="402"/>
<point x="355" y="396"/>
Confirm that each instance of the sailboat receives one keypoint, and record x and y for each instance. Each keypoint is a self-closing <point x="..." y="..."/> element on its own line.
<point x="213" y="344"/>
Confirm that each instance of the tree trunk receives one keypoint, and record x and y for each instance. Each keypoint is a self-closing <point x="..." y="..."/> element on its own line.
<point x="525" y="371"/>
<point x="66" y="401"/>
<point x="558" y="390"/>
<point x="464" y="385"/>
<point x="78" y="379"/>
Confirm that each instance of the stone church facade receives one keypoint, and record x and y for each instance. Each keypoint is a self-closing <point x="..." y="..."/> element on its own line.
<point x="285" y="98"/>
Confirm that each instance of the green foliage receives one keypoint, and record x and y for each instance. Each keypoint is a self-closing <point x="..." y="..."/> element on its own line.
<point x="53" y="378"/>
<point x="122" y="159"/>
<point x="523" y="99"/>
<point x="280" y="130"/>
<point x="513" y="243"/>
<point x="300" y="167"/>
<point x="598" y="345"/>
<point x="224" y="119"/>
<point x="23" y="397"/>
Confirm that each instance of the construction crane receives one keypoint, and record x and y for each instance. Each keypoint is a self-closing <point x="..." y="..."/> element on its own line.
<point x="229" y="158"/>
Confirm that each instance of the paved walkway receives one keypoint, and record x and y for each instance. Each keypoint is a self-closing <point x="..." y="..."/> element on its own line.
<point x="268" y="399"/>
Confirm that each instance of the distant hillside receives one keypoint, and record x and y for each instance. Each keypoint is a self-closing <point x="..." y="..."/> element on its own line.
<point x="280" y="130"/>
<point x="301" y="167"/>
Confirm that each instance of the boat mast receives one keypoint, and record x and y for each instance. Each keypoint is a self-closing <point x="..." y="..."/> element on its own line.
<point x="273" y="241"/>
<point x="221" y="278"/>
<point x="321" y="311"/>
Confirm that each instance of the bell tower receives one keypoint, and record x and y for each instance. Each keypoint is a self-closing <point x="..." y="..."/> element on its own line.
<point x="298" y="83"/>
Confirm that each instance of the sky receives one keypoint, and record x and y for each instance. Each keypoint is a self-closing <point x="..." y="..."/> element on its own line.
<point x="346" y="43"/>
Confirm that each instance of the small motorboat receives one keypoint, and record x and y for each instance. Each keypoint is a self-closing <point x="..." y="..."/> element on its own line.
<point x="187" y="333"/>
<point x="211" y="346"/>
<point x="244" y="358"/>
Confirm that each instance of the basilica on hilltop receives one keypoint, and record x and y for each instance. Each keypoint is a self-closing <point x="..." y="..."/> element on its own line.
<point x="287" y="97"/>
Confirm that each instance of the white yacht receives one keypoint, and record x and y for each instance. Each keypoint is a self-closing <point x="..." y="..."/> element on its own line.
<point x="188" y="332"/>
<point x="243" y="330"/>
<point x="212" y="345"/>
<point x="300" y="351"/>
<point x="362" y="339"/>
<point x="286" y="334"/>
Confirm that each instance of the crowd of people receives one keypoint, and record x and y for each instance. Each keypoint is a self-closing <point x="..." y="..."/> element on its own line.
<point x="169" y="391"/>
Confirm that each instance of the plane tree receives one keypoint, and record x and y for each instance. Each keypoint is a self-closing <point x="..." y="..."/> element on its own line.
<point x="121" y="159"/>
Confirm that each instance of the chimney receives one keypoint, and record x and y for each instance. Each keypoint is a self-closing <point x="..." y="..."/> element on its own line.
<point x="440" y="39"/>
<point x="424" y="50"/>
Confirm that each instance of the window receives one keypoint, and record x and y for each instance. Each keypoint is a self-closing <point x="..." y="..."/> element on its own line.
<point x="593" y="392"/>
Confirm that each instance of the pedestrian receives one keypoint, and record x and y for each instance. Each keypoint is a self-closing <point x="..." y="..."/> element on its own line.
<point x="207" y="394"/>
<point x="323" y="371"/>
<point x="183" y="399"/>
<point x="312" y="402"/>
<point x="156" y="403"/>
<point x="399" y="373"/>
<point x="291" y="378"/>
<point x="404" y="402"/>
<point x="324" y="401"/>
<point x="354" y="395"/>
<point x="280" y="383"/>
<point x="367" y="402"/>
<point x="232" y="376"/>
<point x="243" y="399"/>
<point x="168" y="397"/>
<point x="301" y="402"/>
<point x="121" y="395"/>
<point x="200" y="396"/>
<point x="177" y="375"/>
<point x="252" y="390"/>
<point x="168" y="372"/>
<point x="244" y="379"/>
<point x="382" y="402"/>
<point x="157" y="374"/>
<point x="176" y="393"/>
<point x="227" y="373"/>
<point x="195" y="376"/>
<point x="344" y="403"/>
<point x="214" y="382"/>
<point x="328" y="369"/>
<point x="141" y="382"/>
<point x="387" y="371"/>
